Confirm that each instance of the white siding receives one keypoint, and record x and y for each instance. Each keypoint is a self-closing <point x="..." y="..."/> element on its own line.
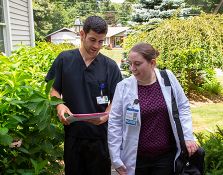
<point x="21" y="27"/>
<point x="65" y="37"/>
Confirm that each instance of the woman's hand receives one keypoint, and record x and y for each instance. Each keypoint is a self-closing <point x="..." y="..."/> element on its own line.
<point x="192" y="147"/>
<point x="61" y="110"/>
<point x="121" y="170"/>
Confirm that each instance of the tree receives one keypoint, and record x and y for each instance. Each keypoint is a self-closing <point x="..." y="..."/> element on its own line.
<point x="48" y="17"/>
<point x="155" y="10"/>
<point x="51" y="15"/>
<point x="218" y="7"/>
<point x="124" y="11"/>
<point x="42" y="13"/>
<point x="207" y="6"/>
<point x="131" y="1"/>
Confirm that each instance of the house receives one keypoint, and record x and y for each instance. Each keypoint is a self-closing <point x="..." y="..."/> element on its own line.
<point x="114" y="37"/>
<point x="16" y="25"/>
<point x="64" y="35"/>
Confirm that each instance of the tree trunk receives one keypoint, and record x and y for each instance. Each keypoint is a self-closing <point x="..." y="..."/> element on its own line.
<point x="218" y="7"/>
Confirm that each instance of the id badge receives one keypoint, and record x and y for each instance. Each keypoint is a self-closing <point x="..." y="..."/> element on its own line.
<point x="102" y="100"/>
<point x="131" y="116"/>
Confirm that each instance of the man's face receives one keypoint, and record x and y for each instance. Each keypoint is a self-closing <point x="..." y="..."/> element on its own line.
<point x="92" y="42"/>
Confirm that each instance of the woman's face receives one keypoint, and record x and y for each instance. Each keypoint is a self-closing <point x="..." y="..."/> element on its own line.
<point x="140" y="67"/>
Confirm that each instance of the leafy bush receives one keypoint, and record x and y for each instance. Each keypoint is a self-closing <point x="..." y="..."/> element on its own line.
<point x="188" y="46"/>
<point x="30" y="135"/>
<point x="213" y="145"/>
<point x="36" y="61"/>
<point x="212" y="87"/>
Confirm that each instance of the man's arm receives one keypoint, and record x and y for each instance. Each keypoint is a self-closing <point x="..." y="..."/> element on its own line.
<point x="61" y="108"/>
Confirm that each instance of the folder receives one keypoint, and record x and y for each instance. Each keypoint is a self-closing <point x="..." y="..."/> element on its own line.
<point x="82" y="117"/>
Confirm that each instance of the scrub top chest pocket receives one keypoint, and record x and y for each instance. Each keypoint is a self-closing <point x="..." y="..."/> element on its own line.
<point x="131" y="116"/>
<point x="102" y="98"/>
<point x="99" y="92"/>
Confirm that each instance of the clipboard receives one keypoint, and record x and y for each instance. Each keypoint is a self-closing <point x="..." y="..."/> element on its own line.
<point x="83" y="117"/>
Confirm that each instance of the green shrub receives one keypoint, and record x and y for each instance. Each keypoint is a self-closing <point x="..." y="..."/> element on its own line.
<point x="211" y="87"/>
<point x="213" y="145"/>
<point x="27" y="112"/>
<point x="188" y="47"/>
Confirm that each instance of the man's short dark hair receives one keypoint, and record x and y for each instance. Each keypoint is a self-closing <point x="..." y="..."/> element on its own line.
<point x="95" y="23"/>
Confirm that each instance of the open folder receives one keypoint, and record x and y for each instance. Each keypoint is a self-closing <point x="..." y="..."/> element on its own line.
<point x="82" y="117"/>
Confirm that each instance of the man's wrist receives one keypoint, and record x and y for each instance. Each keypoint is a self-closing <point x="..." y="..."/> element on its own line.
<point x="59" y="105"/>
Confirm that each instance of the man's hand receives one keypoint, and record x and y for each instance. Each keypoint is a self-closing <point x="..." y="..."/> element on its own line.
<point x="98" y="121"/>
<point x="61" y="110"/>
<point x="191" y="147"/>
<point x="122" y="170"/>
<point x="102" y="119"/>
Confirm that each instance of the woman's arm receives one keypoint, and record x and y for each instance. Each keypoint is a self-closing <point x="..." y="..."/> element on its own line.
<point x="115" y="127"/>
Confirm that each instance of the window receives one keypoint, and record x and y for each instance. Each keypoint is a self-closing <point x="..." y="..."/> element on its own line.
<point x="106" y="41"/>
<point x="118" y="41"/>
<point x="2" y="25"/>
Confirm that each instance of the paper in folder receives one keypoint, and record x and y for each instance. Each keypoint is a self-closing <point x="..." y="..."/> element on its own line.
<point x="82" y="117"/>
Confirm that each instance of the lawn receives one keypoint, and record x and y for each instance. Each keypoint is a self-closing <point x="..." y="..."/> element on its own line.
<point x="207" y="116"/>
<point x="115" y="54"/>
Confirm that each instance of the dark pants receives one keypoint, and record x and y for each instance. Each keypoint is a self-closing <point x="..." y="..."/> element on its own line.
<point x="86" y="157"/>
<point x="161" y="165"/>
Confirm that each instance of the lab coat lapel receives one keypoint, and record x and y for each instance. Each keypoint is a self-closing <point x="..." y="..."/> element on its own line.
<point x="133" y="95"/>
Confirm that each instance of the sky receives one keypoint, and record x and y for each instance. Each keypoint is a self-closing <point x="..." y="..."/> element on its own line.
<point x="117" y="1"/>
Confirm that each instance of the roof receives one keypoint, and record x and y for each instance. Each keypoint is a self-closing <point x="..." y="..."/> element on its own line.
<point x="115" y="30"/>
<point x="62" y="30"/>
<point x="111" y="31"/>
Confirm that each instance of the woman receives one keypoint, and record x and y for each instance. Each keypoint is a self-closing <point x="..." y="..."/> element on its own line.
<point x="142" y="134"/>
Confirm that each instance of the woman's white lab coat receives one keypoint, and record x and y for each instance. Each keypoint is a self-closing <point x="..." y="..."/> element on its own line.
<point x="123" y="138"/>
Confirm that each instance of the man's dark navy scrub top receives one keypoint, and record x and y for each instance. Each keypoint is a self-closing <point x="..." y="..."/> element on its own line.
<point x="80" y="85"/>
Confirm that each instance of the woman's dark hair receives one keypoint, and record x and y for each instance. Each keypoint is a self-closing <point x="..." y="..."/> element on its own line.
<point x="146" y="50"/>
<point x="95" y="23"/>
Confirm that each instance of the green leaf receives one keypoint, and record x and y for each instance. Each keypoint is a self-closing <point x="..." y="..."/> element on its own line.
<point x="40" y="107"/>
<point x="49" y="86"/>
<point x="55" y="101"/>
<point x="3" y="131"/>
<point x="36" y="100"/>
<point x="38" y="165"/>
<point x="16" y="102"/>
<point x="31" y="106"/>
<point x="5" y="60"/>
<point x="42" y="125"/>
<point x="25" y="172"/>
<point x="44" y="114"/>
<point x="24" y="150"/>
<point x="5" y="139"/>
<point x="19" y="119"/>
<point x="47" y="147"/>
<point x="10" y="83"/>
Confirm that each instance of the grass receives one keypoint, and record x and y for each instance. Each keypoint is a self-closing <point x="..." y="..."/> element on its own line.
<point x="115" y="54"/>
<point x="207" y="116"/>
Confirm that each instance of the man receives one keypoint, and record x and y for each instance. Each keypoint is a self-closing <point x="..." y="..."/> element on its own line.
<point x="85" y="79"/>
